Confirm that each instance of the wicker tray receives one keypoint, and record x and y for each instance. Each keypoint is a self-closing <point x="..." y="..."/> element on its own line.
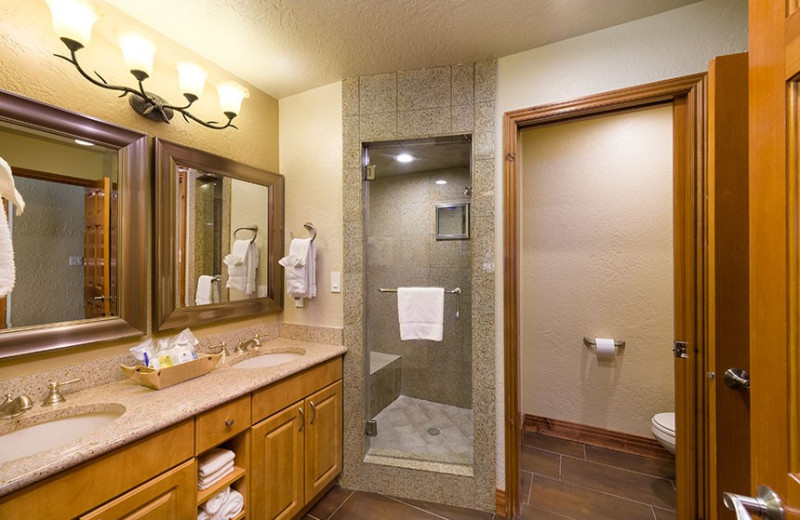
<point x="173" y="375"/>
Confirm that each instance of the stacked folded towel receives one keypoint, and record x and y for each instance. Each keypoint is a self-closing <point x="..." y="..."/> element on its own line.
<point x="224" y="505"/>
<point x="214" y="466"/>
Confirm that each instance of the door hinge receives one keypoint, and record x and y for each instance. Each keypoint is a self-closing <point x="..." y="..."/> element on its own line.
<point x="681" y="349"/>
<point x="371" y="428"/>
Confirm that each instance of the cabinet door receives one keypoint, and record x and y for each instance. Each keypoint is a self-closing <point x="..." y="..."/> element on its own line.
<point x="323" y="438"/>
<point x="276" y="465"/>
<point x="166" y="497"/>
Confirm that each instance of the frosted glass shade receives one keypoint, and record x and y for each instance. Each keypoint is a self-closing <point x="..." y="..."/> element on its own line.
<point x="138" y="52"/>
<point x="231" y="95"/>
<point x="191" y="78"/>
<point x="73" y="19"/>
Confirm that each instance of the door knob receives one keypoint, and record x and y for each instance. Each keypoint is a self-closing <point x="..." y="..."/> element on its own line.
<point x="737" y="378"/>
<point x="766" y="505"/>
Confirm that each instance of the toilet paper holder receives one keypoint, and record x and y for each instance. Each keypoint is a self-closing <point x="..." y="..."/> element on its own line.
<point x="591" y="343"/>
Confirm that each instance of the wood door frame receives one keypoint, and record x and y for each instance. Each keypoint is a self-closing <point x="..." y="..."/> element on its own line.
<point x="687" y="95"/>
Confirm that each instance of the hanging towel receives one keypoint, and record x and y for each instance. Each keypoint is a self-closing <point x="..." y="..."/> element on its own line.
<point x="213" y="461"/>
<point x="242" y="263"/>
<point x="10" y="193"/>
<point x="205" y="290"/>
<point x="420" y="311"/>
<point x="301" y="269"/>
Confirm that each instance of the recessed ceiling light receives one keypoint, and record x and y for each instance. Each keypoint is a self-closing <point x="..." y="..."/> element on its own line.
<point x="404" y="157"/>
<point x="83" y="143"/>
<point x="441" y="182"/>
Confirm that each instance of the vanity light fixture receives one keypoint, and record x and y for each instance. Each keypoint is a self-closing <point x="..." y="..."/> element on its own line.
<point x="404" y="158"/>
<point x="73" y="21"/>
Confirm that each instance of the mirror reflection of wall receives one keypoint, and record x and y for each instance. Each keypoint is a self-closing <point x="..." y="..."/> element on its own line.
<point x="214" y="213"/>
<point x="64" y="241"/>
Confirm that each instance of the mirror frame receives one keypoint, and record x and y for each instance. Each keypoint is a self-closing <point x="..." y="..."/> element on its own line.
<point x="134" y="188"/>
<point x="167" y="314"/>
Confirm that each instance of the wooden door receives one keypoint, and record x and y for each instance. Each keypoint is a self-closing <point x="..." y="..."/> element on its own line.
<point x="774" y="248"/>
<point x="97" y="250"/>
<point x="167" y="497"/>
<point x="728" y="411"/>
<point x="323" y="438"/>
<point x="276" y="466"/>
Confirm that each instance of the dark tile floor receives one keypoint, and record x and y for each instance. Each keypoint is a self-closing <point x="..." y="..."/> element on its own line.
<point x="561" y="480"/>
<point x="565" y="480"/>
<point x="342" y="504"/>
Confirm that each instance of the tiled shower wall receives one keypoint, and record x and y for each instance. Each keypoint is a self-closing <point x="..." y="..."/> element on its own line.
<point x="449" y="100"/>
<point x="402" y="251"/>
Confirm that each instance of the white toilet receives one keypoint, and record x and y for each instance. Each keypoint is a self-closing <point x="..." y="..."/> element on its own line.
<point x="663" y="427"/>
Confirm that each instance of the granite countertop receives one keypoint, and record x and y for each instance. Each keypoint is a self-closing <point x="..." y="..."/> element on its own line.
<point x="147" y="411"/>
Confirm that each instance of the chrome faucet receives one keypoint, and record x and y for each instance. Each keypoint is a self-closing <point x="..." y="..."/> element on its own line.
<point x="14" y="406"/>
<point x="248" y="344"/>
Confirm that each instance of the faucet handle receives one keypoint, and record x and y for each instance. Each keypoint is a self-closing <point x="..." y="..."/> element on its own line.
<point x="54" y="395"/>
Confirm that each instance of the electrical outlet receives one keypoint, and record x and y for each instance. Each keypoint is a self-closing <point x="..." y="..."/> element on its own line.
<point x="75" y="260"/>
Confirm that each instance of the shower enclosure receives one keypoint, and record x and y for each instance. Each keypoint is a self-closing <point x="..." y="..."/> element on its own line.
<point x="419" y="392"/>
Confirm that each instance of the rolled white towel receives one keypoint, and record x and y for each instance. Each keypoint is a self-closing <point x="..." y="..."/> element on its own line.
<point x="213" y="461"/>
<point x="208" y="481"/>
<point x="232" y="507"/>
<point x="202" y="515"/>
<point x="215" y="503"/>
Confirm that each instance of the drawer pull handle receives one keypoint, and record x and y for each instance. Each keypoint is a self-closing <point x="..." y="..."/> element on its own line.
<point x="229" y="422"/>
<point x="314" y="412"/>
<point x="303" y="417"/>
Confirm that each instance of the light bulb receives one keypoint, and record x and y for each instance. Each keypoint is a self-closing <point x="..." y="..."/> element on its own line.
<point x="231" y="95"/>
<point x="138" y="53"/>
<point x="404" y="157"/>
<point x="73" y="21"/>
<point x="192" y="79"/>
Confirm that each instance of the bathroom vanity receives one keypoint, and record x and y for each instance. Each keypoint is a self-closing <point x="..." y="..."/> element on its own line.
<point x="284" y="424"/>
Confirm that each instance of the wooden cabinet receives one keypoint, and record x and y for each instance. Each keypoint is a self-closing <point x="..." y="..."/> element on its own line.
<point x="297" y="451"/>
<point x="323" y="443"/>
<point x="166" y="497"/>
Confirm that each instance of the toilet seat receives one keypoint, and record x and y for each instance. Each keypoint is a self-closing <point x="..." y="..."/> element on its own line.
<point x="665" y="423"/>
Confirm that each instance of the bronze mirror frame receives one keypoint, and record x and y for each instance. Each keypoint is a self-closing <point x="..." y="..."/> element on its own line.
<point x="167" y="314"/>
<point x="132" y="231"/>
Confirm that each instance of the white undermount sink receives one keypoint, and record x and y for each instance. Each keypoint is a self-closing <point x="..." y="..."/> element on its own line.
<point x="42" y="436"/>
<point x="268" y="360"/>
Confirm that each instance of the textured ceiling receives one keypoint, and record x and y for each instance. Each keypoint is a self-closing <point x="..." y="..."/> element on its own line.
<point x="288" y="46"/>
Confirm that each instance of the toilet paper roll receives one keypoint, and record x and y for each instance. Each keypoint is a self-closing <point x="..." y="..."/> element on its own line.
<point x="605" y="347"/>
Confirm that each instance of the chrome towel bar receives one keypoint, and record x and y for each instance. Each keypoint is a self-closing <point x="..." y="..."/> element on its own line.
<point x="456" y="291"/>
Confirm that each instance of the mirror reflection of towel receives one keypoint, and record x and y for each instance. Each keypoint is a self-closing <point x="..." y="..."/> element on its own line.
<point x="205" y="292"/>
<point x="242" y="263"/>
<point x="10" y="193"/>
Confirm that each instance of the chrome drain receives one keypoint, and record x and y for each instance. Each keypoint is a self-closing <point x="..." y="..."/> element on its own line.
<point x="434" y="431"/>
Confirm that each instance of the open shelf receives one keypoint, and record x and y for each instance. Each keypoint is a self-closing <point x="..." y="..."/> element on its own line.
<point x="240" y="515"/>
<point x="204" y="495"/>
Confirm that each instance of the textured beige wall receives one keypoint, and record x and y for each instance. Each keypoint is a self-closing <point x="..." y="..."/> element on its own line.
<point x="402" y="250"/>
<point x="27" y="42"/>
<point x="597" y="261"/>
<point x="311" y="160"/>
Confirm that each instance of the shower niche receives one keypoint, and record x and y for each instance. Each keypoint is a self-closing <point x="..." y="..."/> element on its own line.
<point x="419" y="392"/>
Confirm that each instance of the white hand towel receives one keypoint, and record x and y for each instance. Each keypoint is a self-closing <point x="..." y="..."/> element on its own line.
<point x="214" y="504"/>
<point x="301" y="268"/>
<point x="232" y="507"/>
<point x="420" y="311"/>
<point x="210" y="480"/>
<point x="9" y="192"/>
<point x="242" y="263"/>
<point x="213" y="461"/>
<point x="205" y="293"/>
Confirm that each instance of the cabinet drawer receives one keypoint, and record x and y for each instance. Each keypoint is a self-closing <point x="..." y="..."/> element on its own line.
<point x="221" y="423"/>
<point x="278" y="396"/>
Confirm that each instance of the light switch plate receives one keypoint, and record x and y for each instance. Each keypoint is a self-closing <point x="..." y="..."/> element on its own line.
<point x="336" y="281"/>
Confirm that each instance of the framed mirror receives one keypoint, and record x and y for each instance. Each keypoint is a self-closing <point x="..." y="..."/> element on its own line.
<point x="80" y="271"/>
<point x="219" y="236"/>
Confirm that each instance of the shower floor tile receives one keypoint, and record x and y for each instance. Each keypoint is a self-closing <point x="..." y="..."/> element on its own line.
<point x="403" y="432"/>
